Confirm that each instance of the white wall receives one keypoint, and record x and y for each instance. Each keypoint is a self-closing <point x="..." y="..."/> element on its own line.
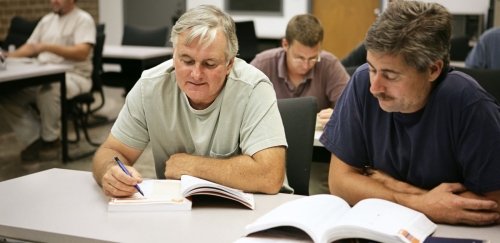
<point x="111" y="14"/>
<point x="272" y="27"/>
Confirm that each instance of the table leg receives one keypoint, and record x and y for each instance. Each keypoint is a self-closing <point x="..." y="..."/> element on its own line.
<point x="64" y="125"/>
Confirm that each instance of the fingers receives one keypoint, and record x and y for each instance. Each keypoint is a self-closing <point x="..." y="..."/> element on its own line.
<point x="479" y="218"/>
<point x="323" y="117"/>
<point x="325" y="113"/>
<point x="445" y="205"/>
<point x="453" y="187"/>
<point x="118" y="184"/>
<point x="477" y="204"/>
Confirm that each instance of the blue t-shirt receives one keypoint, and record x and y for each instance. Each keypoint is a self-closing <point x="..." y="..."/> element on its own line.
<point x="454" y="138"/>
<point x="486" y="52"/>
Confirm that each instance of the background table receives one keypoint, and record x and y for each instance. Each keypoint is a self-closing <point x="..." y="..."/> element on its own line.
<point x="140" y="57"/>
<point x="60" y="205"/>
<point x="21" y="73"/>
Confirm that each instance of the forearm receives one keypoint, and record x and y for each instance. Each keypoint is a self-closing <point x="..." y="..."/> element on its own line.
<point x="26" y="50"/>
<point x="261" y="173"/>
<point x="104" y="157"/>
<point x="78" y="52"/>
<point x="354" y="184"/>
<point x="103" y="161"/>
<point x="354" y="187"/>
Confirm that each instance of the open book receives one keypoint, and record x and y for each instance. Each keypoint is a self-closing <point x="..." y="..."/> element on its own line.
<point x="326" y="218"/>
<point x="172" y="195"/>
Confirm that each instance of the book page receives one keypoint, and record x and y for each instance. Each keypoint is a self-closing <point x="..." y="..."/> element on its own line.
<point x="159" y="195"/>
<point x="312" y="214"/>
<point x="276" y="236"/>
<point x="195" y="186"/>
<point x="155" y="191"/>
<point x="383" y="221"/>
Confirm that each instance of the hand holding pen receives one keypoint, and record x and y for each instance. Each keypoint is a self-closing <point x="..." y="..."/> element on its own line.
<point x="122" y="166"/>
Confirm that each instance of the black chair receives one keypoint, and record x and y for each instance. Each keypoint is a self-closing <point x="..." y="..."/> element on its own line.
<point x="137" y="36"/>
<point x="489" y="79"/>
<point x="356" y="57"/>
<point x="80" y="107"/>
<point x="459" y="48"/>
<point x="299" y="120"/>
<point x="19" y="31"/>
<point x="247" y="40"/>
<point x="134" y="36"/>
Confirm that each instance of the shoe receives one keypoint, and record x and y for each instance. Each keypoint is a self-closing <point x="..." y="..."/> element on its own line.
<point x="50" y="150"/>
<point x="40" y="150"/>
<point x="31" y="153"/>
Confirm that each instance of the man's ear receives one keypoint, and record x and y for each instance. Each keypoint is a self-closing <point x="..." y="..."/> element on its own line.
<point x="229" y="66"/>
<point x="284" y="43"/>
<point x="435" y="70"/>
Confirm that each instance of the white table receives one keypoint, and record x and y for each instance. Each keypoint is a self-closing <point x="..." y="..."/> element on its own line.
<point x="135" y="52"/>
<point x="457" y="64"/>
<point x="21" y="73"/>
<point x="60" y="205"/>
<point x="133" y="60"/>
<point x="317" y="135"/>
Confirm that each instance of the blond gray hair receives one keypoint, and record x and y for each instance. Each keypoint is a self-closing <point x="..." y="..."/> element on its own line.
<point x="203" y="22"/>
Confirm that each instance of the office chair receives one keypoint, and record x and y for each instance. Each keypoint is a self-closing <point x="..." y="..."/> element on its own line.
<point x="80" y="106"/>
<point x="19" y="31"/>
<point x="487" y="78"/>
<point x="247" y="40"/>
<point x="459" y="48"/>
<point x="134" y="36"/>
<point x="299" y="120"/>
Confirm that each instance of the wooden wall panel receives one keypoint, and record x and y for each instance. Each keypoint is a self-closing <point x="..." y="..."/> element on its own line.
<point x="345" y="22"/>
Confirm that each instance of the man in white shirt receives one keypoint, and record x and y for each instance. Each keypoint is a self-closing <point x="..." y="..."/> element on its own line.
<point x="66" y="35"/>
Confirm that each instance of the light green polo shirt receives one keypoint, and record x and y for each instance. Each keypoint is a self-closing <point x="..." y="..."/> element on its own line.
<point x="243" y="119"/>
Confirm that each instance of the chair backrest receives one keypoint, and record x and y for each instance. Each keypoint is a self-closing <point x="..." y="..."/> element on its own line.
<point x="459" y="48"/>
<point x="356" y="57"/>
<point x="489" y="79"/>
<point x="19" y="31"/>
<point x="137" y="36"/>
<point x="97" y="64"/>
<point x="97" y="55"/>
<point x="299" y="120"/>
<point x="247" y="40"/>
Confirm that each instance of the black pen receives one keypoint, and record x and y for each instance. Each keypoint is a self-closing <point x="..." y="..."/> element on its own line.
<point x="128" y="173"/>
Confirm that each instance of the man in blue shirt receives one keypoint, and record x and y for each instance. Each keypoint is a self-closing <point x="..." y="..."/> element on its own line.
<point x="410" y="130"/>
<point x="486" y="53"/>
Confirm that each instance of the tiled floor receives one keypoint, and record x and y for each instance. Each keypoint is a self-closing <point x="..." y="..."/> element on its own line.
<point x="10" y="162"/>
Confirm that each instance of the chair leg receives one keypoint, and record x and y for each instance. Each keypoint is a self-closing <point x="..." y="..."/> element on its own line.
<point x="85" y="124"/>
<point x="76" y="122"/>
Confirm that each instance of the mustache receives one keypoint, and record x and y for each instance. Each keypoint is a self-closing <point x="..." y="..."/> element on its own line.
<point x="382" y="96"/>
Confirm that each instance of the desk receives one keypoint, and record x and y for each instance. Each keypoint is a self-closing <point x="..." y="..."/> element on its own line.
<point x="59" y="205"/>
<point x="19" y="75"/>
<point x="317" y="135"/>
<point x="142" y="57"/>
<point x="132" y="61"/>
<point x="457" y="64"/>
<point x="135" y="52"/>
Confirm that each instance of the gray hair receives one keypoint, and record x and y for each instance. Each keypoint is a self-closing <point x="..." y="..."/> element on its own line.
<point x="203" y="22"/>
<point x="418" y="31"/>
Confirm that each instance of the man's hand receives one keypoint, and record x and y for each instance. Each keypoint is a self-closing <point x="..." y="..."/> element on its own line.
<point x="323" y="117"/>
<point x="443" y="204"/>
<point x="116" y="183"/>
<point x="175" y="165"/>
